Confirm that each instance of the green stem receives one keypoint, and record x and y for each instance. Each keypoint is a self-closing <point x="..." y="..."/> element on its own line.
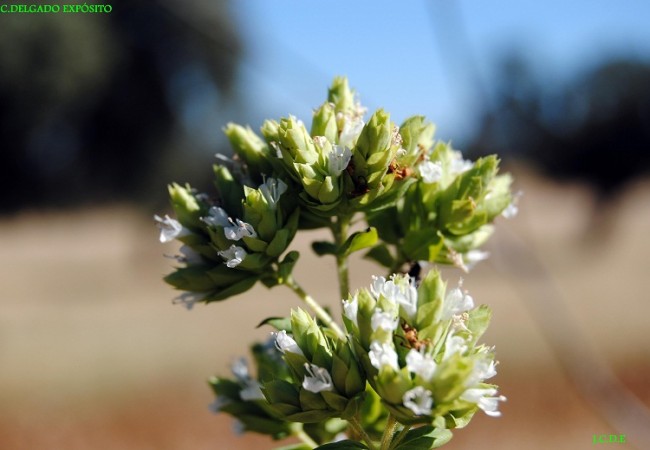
<point x="356" y="426"/>
<point x="399" y="437"/>
<point x="387" y="437"/>
<point x="315" y="307"/>
<point x="304" y="437"/>
<point x="340" y="231"/>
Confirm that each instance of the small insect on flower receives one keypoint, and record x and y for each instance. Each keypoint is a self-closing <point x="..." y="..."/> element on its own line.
<point x="399" y="171"/>
<point x="411" y="337"/>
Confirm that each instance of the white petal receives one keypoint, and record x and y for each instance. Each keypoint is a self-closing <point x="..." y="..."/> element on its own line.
<point x="318" y="379"/>
<point x="383" y="320"/>
<point x="170" y="229"/>
<point x="419" y="400"/>
<point x="420" y="364"/>
<point x="188" y="299"/>
<point x="350" y="308"/>
<point x="233" y="256"/>
<point x="382" y="355"/>
<point x="286" y="343"/>
<point x="431" y="172"/>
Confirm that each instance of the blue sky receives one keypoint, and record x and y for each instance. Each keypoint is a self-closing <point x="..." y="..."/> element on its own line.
<point x="420" y="56"/>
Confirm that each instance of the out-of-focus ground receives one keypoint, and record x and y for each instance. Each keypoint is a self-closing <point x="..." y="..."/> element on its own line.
<point x="94" y="355"/>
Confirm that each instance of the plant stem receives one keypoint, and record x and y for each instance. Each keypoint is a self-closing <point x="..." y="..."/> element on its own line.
<point x="356" y="426"/>
<point x="399" y="437"/>
<point x="340" y="231"/>
<point x="387" y="437"/>
<point x="315" y="307"/>
<point x="304" y="437"/>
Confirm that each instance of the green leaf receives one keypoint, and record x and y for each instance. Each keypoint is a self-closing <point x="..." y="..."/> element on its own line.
<point x="287" y="264"/>
<point x="424" y="438"/>
<point x="324" y="248"/>
<point x="359" y="240"/>
<point x="230" y="291"/>
<point x="342" y="445"/>
<point x="279" y="323"/>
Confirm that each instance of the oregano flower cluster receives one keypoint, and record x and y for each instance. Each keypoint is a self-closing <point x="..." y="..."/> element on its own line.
<point x="402" y="365"/>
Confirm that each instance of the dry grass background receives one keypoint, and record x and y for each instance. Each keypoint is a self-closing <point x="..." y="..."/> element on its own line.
<point x="94" y="356"/>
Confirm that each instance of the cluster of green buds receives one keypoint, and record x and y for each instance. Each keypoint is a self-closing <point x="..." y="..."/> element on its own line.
<point x="327" y="380"/>
<point x="446" y="216"/>
<point x="231" y="244"/>
<point x="418" y="347"/>
<point x="407" y="367"/>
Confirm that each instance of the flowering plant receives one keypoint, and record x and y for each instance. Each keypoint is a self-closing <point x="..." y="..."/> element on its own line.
<point x="406" y="367"/>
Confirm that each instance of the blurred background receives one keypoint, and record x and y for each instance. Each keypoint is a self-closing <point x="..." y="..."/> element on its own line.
<point x="98" y="112"/>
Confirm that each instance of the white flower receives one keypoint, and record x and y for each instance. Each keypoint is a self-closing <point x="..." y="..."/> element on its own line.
<point x="286" y="343"/>
<point x="382" y="355"/>
<point x="418" y="400"/>
<point x="351" y="130"/>
<point x="338" y="159"/>
<point x="170" y="229"/>
<point x="238" y="230"/>
<point x="383" y="320"/>
<point x="453" y="345"/>
<point x="318" y="380"/>
<point x="350" y="308"/>
<point x="398" y="290"/>
<point x="420" y="364"/>
<point x="187" y="256"/>
<point x="271" y="190"/>
<point x="431" y="172"/>
<point x="238" y="427"/>
<point x="218" y="404"/>
<point x="252" y="391"/>
<point x="233" y="256"/>
<point x="377" y="286"/>
<point x="483" y="369"/>
<point x="217" y="216"/>
<point x="251" y="388"/>
<point x="456" y="302"/>
<point x="481" y="396"/>
<point x="233" y="230"/>
<point x="188" y="299"/>
<point x="472" y="257"/>
<point x="512" y="209"/>
<point x="459" y="165"/>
